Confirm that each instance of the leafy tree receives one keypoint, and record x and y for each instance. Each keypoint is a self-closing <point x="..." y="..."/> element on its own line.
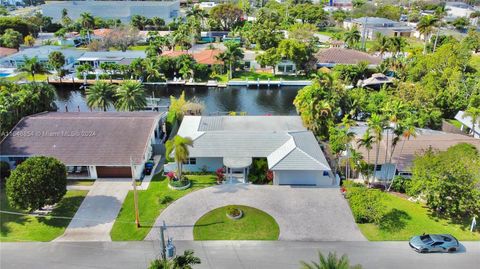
<point x="309" y="13"/>
<point x="56" y="59"/>
<point x="449" y="180"/>
<point x="110" y="69"/>
<point x="121" y="37"/>
<point x="352" y="37"/>
<point x="269" y="58"/>
<point x="33" y="66"/>
<point x="37" y="182"/>
<point x="330" y="262"/>
<point x="88" y="23"/>
<point x="461" y="23"/>
<point x="376" y="123"/>
<point x="472" y="40"/>
<point x="391" y="12"/>
<point x="139" y="22"/>
<point x="297" y="52"/>
<point x="179" y="147"/>
<point x="304" y="32"/>
<point x="29" y="41"/>
<point x="18" y="24"/>
<point x="158" y="22"/>
<point x="130" y="96"/>
<point x="231" y="56"/>
<point x="100" y="95"/>
<point x="11" y="39"/>
<point x="264" y="32"/>
<point x="473" y="111"/>
<point x="425" y="26"/>
<point x="226" y="16"/>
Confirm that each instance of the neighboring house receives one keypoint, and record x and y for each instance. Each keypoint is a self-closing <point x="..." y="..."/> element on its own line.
<point x="293" y="154"/>
<point x="91" y="144"/>
<point x="458" y="9"/>
<point x="18" y="59"/>
<point x="207" y="56"/>
<point x="4" y="52"/>
<point x="376" y="81"/>
<point x="123" y="10"/>
<point x="284" y="67"/>
<point x="95" y="58"/>
<point x="467" y="124"/>
<point x="333" y="56"/>
<point x="404" y="154"/>
<point x="369" y="26"/>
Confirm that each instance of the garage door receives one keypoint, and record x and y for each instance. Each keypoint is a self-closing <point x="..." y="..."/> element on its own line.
<point x="114" y="171"/>
<point x="312" y="178"/>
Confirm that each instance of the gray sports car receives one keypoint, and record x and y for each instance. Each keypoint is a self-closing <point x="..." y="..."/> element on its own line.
<point x="434" y="243"/>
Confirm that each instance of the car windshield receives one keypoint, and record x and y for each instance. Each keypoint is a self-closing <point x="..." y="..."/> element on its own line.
<point x="426" y="239"/>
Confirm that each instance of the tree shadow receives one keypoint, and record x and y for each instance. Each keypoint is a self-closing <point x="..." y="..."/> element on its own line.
<point x="437" y="217"/>
<point x="65" y="208"/>
<point x="6" y="218"/>
<point x="394" y="220"/>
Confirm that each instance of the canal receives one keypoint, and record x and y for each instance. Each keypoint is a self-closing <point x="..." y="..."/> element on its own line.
<point x="253" y="101"/>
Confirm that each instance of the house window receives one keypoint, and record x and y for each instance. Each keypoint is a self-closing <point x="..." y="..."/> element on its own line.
<point x="325" y="173"/>
<point x="288" y="68"/>
<point x="379" y="168"/>
<point x="192" y="161"/>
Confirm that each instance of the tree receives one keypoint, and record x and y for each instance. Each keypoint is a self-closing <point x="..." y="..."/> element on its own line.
<point x="461" y="23"/>
<point x="29" y="41"/>
<point x="179" y="147"/>
<point x="473" y="111"/>
<point x="366" y="142"/>
<point x="382" y="44"/>
<point x="269" y="58"/>
<point x="376" y="123"/>
<point x="331" y="262"/>
<point x="130" y="96"/>
<point x="231" y="56"/>
<point x="425" y="27"/>
<point x="295" y="51"/>
<point x="100" y="95"/>
<point x="66" y="20"/>
<point x="88" y="23"/>
<point x="121" y="37"/>
<point x="226" y="16"/>
<point x="33" y="66"/>
<point x="449" y="180"/>
<point x="110" y="69"/>
<point x="57" y="60"/>
<point x="11" y="39"/>
<point x="37" y="182"/>
<point x="309" y="13"/>
<point x="151" y="70"/>
<point x="139" y="22"/>
<point x="352" y="37"/>
<point x="184" y="261"/>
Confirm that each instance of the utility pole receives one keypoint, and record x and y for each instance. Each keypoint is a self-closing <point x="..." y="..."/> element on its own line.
<point x="364" y="33"/>
<point x="135" y="195"/>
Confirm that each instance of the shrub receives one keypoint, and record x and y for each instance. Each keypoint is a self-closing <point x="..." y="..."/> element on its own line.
<point x="171" y="175"/>
<point x="37" y="182"/>
<point x="259" y="173"/>
<point x="4" y="171"/>
<point x="166" y="200"/>
<point x="366" y="204"/>
<point x="400" y="184"/>
<point x="220" y="174"/>
<point x="233" y="211"/>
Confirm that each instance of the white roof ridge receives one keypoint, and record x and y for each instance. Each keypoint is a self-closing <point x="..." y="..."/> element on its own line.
<point x="308" y="155"/>
<point x="281" y="147"/>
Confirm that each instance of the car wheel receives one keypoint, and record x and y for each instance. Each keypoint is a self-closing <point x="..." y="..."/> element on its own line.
<point x="452" y="250"/>
<point x="423" y="250"/>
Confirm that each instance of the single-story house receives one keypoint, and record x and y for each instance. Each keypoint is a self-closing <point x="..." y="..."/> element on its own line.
<point x="466" y="122"/>
<point x="95" y="58"/>
<point x="369" y="26"/>
<point x="91" y="144"/>
<point x="42" y="52"/>
<point x="333" y="56"/>
<point x="285" y="67"/>
<point x="207" y="56"/>
<point x="406" y="150"/>
<point x="232" y="142"/>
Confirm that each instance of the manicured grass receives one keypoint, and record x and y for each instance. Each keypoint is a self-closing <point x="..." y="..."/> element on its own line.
<point x="254" y="225"/>
<point x="406" y="219"/>
<point x="28" y="77"/>
<point x="29" y="228"/>
<point x="243" y="75"/>
<point x="139" y="47"/>
<point x="150" y="206"/>
<point x="81" y="182"/>
<point x="455" y="123"/>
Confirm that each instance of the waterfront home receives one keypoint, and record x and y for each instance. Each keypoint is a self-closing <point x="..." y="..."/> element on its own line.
<point x="18" y="59"/>
<point x="95" y="58"/>
<point x="284" y="67"/>
<point x="208" y="56"/>
<point x="467" y="123"/>
<point x="234" y="142"/>
<point x="370" y="26"/>
<point x="333" y="56"/>
<point x="91" y="144"/>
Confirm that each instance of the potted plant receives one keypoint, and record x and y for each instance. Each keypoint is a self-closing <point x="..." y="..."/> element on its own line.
<point x="234" y="213"/>
<point x="179" y="147"/>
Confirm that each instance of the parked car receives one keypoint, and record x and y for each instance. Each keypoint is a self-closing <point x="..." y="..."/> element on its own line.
<point x="148" y="167"/>
<point x="434" y="243"/>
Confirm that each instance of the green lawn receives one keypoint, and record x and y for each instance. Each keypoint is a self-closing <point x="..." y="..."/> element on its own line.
<point x="150" y="206"/>
<point x="28" y="77"/>
<point x="406" y="219"/>
<point x="254" y="225"/>
<point x="29" y="228"/>
<point x="455" y="123"/>
<point x="138" y="47"/>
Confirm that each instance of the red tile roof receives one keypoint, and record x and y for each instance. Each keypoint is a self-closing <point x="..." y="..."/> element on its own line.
<point x="102" y="32"/>
<point x="6" y="51"/>
<point x="345" y="56"/>
<point x="207" y="56"/>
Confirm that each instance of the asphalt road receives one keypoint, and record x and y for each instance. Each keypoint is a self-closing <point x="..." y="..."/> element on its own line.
<point x="229" y="254"/>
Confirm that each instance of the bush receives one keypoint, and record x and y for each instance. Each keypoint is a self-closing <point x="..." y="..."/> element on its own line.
<point x="259" y="173"/>
<point x="37" y="182"/>
<point x="400" y="184"/>
<point x="4" y="171"/>
<point x="166" y="200"/>
<point x="366" y="204"/>
<point x="180" y="183"/>
<point x="233" y="211"/>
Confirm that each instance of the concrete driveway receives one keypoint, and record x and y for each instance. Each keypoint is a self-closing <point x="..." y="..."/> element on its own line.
<point x="98" y="211"/>
<point x="302" y="213"/>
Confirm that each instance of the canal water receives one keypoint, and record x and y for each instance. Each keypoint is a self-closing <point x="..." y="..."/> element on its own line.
<point x="253" y="101"/>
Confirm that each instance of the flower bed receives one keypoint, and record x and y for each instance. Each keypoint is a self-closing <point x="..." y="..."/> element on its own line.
<point x="234" y="213"/>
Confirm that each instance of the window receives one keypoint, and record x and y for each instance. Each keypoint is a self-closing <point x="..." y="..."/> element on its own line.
<point x="192" y="161"/>
<point x="379" y="168"/>
<point x="325" y="173"/>
<point x="288" y="68"/>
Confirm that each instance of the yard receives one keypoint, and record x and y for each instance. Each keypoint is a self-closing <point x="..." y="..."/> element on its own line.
<point x="151" y="202"/>
<point x="405" y="219"/>
<point x="254" y="225"/>
<point x="28" y="77"/>
<point x="29" y="228"/>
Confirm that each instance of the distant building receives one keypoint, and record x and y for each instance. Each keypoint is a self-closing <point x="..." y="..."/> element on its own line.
<point x="333" y="56"/>
<point x="458" y="9"/>
<point x="95" y="58"/>
<point x="123" y="10"/>
<point x="18" y="59"/>
<point x="369" y="26"/>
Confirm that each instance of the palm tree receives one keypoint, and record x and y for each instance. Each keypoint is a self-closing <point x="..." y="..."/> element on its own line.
<point x="397" y="45"/>
<point x="473" y="111"/>
<point x="331" y="262"/>
<point x="425" y="27"/>
<point x="179" y="146"/>
<point x="130" y="96"/>
<point x="184" y="261"/>
<point x="88" y="22"/>
<point x="151" y="69"/>
<point x="367" y="142"/>
<point x="382" y="44"/>
<point x="100" y="95"/>
<point x="33" y="66"/>
<point x="352" y="37"/>
<point x="84" y="69"/>
<point x="231" y="55"/>
<point x="376" y="123"/>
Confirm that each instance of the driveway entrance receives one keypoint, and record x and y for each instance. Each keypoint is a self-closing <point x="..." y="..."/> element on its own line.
<point x="302" y="213"/>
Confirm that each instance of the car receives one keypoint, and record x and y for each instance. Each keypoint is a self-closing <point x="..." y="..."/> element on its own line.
<point x="434" y="243"/>
<point x="148" y="167"/>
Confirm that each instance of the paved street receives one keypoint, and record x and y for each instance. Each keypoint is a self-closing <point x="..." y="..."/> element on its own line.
<point x="303" y="214"/>
<point x="95" y="217"/>
<point x="229" y="254"/>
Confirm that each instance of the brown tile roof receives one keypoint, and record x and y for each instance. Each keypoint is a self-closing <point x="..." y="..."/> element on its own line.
<point x="414" y="146"/>
<point x="83" y="138"/>
<point x="7" y="51"/>
<point x="102" y="32"/>
<point x="207" y="56"/>
<point x="345" y="56"/>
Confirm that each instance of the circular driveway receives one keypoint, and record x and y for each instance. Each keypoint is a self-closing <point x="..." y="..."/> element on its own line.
<point x="302" y="213"/>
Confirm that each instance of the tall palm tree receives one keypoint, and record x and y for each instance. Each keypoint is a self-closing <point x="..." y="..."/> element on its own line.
<point x="130" y="96"/>
<point x="88" y="22"/>
<point x="100" y="95"/>
<point x="425" y="27"/>
<point x="382" y="44"/>
<point x="397" y="45"/>
<point x="367" y="142"/>
<point x="33" y="66"/>
<point x="179" y="146"/>
<point x="376" y="123"/>
<point x="231" y="55"/>
<point x="352" y="37"/>
<point x="330" y="262"/>
<point x="151" y="69"/>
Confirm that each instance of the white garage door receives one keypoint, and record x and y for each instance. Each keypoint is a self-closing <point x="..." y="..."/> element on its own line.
<point x="302" y="178"/>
